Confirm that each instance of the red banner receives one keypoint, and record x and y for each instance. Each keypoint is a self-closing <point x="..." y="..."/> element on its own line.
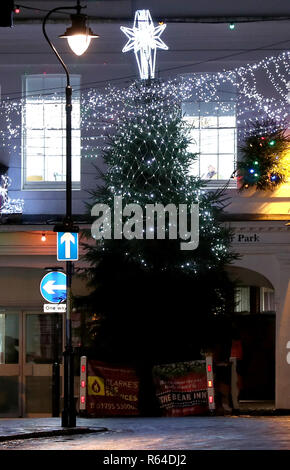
<point x="181" y="388"/>
<point x="112" y="390"/>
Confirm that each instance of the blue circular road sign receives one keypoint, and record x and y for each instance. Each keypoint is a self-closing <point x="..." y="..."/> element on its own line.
<point x="53" y="287"/>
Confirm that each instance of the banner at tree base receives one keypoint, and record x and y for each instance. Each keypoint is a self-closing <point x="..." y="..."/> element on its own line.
<point x="112" y="390"/>
<point x="181" y="388"/>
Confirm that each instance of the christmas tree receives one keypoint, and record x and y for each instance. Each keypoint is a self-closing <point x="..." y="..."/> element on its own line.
<point x="149" y="298"/>
<point x="264" y="162"/>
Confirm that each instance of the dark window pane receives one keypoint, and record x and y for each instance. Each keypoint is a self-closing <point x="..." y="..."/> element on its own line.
<point x="43" y="338"/>
<point x="9" y="338"/>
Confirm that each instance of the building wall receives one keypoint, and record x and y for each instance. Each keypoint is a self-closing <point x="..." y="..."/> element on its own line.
<point x="268" y="203"/>
<point x="42" y="201"/>
<point x="23" y="259"/>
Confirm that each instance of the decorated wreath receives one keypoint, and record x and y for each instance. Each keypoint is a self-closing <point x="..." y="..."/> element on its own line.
<point x="264" y="157"/>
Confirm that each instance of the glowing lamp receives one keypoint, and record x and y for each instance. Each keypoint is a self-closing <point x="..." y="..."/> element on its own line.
<point x="43" y="237"/>
<point x="79" y="35"/>
<point x="232" y="26"/>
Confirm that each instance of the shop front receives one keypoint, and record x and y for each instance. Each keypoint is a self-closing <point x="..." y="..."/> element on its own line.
<point x="31" y="338"/>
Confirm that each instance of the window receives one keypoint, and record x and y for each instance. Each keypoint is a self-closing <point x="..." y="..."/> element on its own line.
<point x="213" y="134"/>
<point x="242" y="299"/>
<point x="267" y="299"/>
<point x="254" y="299"/>
<point x="44" y="132"/>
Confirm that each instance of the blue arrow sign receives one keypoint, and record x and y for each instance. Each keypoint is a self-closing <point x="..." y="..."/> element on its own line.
<point x="53" y="287"/>
<point x="67" y="246"/>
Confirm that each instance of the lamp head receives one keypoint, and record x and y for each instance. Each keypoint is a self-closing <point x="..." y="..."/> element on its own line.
<point x="79" y="35"/>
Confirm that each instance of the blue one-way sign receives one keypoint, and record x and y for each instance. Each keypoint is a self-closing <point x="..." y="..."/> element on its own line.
<point x="67" y="246"/>
<point x="53" y="287"/>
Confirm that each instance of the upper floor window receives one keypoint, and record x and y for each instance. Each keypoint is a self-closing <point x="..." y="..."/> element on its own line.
<point x="213" y="138"/>
<point x="44" y="132"/>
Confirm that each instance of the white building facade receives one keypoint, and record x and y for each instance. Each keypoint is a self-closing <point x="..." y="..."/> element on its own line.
<point x="33" y="154"/>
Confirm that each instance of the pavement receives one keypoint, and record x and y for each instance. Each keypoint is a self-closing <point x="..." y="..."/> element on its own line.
<point x="30" y="428"/>
<point x="148" y="434"/>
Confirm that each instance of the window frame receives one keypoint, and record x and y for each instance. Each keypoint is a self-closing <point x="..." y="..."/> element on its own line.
<point x="215" y="183"/>
<point x="45" y="185"/>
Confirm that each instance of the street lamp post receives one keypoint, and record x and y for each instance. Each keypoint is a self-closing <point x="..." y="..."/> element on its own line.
<point x="79" y="37"/>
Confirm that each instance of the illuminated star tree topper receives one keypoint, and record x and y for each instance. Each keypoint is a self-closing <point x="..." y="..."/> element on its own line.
<point x="144" y="39"/>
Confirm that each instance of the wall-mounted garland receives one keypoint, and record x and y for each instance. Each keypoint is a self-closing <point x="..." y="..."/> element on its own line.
<point x="264" y="158"/>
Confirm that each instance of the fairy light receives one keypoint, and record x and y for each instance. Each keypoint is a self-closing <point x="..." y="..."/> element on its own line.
<point x="111" y="106"/>
<point x="7" y="205"/>
<point x="103" y="112"/>
<point x="139" y="167"/>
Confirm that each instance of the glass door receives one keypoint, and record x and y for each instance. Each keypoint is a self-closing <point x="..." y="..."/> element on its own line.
<point x="10" y="364"/>
<point x="31" y="345"/>
<point x="42" y="348"/>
